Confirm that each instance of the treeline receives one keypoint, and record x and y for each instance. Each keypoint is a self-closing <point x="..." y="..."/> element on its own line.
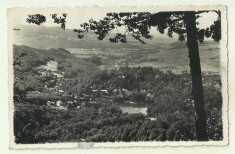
<point x="33" y="124"/>
<point x="126" y="84"/>
<point x="148" y="85"/>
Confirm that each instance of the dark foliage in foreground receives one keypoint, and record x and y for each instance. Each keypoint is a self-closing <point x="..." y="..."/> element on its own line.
<point x="106" y="123"/>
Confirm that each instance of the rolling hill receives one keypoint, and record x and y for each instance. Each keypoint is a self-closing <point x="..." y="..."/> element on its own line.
<point x="159" y="52"/>
<point x="35" y="67"/>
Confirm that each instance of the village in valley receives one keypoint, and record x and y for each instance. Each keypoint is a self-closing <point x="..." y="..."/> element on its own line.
<point x="74" y="101"/>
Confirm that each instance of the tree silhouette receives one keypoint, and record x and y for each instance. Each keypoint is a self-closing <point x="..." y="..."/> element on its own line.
<point x="138" y="25"/>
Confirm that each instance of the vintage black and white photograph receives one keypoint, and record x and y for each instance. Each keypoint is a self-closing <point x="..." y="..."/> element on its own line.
<point x="118" y="75"/>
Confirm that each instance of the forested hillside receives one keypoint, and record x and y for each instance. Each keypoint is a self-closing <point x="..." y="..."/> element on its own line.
<point x="42" y="70"/>
<point x="55" y="74"/>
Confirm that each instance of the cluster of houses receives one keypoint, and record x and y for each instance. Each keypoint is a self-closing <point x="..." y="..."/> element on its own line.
<point x="100" y="92"/>
<point x="51" y="70"/>
<point x="51" y="103"/>
<point x="82" y="101"/>
<point x="60" y="103"/>
<point x="55" y="89"/>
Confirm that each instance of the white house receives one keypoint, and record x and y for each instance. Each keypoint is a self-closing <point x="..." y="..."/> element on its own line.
<point x="69" y="102"/>
<point x="48" y="103"/>
<point x="59" y="103"/>
<point x="104" y="91"/>
<point x="61" y="91"/>
<point x="153" y="119"/>
<point x="52" y="103"/>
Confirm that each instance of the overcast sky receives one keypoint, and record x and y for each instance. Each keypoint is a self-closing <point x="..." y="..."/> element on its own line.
<point x="76" y="16"/>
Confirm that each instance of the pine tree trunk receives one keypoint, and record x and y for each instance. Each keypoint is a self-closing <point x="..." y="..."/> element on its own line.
<point x="195" y="67"/>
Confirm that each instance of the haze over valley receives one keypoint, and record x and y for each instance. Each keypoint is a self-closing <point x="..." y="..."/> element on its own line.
<point x="160" y="52"/>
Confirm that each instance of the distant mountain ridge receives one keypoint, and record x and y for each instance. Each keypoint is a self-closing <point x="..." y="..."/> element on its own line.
<point x="159" y="52"/>
<point x="54" y="37"/>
